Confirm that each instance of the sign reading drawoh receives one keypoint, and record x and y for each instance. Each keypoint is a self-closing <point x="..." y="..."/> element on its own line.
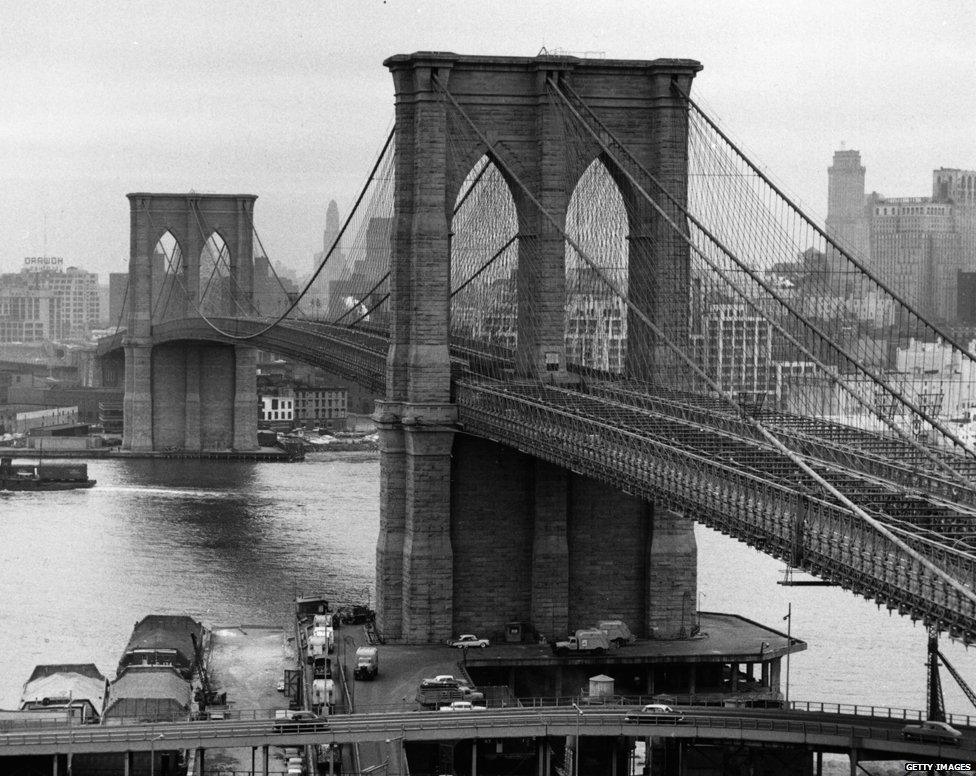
<point x="44" y="262"/>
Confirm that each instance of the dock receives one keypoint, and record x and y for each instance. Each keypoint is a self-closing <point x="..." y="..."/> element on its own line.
<point x="247" y="662"/>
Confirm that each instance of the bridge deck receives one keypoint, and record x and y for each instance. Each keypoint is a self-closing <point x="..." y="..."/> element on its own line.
<point x="690" y="453"/>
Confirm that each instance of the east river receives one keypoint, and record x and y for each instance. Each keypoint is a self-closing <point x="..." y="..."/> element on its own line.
<point x="232" y="543"/>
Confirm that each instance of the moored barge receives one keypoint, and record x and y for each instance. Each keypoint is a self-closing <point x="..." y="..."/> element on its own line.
<point x="43" y="476"/>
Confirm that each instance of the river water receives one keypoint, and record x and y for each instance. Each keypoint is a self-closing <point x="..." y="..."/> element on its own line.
<point x="232" y="543"/>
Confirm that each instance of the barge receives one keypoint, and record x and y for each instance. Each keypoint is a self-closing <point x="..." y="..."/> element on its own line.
<point x="43" y="476"/>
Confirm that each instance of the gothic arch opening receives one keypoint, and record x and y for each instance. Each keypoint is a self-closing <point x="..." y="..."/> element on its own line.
<point x="596" y="315"/>
<point x="484" y="257"/>
<point x="168" y="278"/>
<point x="216" y="292"/>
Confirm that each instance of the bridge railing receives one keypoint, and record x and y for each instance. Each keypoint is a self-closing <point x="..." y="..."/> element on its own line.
<point x="826" y="539"/>
<point x="759" y="703"/>
<point x="506" y="723"/>
<point x="611" y="704"/>
<point x="856" y="709"/>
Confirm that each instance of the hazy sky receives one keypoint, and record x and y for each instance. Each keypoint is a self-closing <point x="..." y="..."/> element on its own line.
<point x="290" y="101"/>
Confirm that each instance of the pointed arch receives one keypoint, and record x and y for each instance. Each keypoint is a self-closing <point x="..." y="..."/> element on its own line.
<point x="596" y="315"/>
<point x="484" y="254"/>
<point x="169" y="250"/>
<point x="215" y="275"/>
<point x="167" y="274"/>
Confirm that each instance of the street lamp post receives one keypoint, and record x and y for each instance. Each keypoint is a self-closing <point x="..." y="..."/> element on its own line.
<point x="576" y="752"/>
<point x="350" y="678"/>
<point x="152" y="753"/>
<point x="789" y="643"/>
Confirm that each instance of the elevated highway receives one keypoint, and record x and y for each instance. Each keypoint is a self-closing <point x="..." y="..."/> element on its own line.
<point x="871" y="737"/>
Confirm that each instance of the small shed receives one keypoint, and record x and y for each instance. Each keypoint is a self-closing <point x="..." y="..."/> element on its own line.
<point x="601" y="687"/>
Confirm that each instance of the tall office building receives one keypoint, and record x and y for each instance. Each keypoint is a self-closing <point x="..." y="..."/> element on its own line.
<point x="29" y="315"/>
<point x="923" y="248"/>
<point x="917" y="250"/>
<point x="76" y="288"/>
<point x="847" y="218"/>
<point x="320" y="298"/>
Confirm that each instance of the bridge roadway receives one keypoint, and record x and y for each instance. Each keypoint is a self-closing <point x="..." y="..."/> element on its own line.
<point x="686" y="452"/>
<point x="872" y="737"/>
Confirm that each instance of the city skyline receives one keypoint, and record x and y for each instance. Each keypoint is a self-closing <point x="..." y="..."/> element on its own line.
<point x="293" y="105"/>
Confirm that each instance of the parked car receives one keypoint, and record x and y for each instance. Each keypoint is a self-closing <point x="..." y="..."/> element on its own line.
<point x="468" y="640"/>
<point x="291" y="721"/>
<point x="462" y="706"/>
<point x="932" y="730"/>
<point x="655" y="713"/>
<point x="355" y="614"/>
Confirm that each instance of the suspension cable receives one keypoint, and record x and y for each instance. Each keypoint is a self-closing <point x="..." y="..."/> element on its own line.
<point x="364" y="297"/>
<point x="771" y="438"/>
<point x="770" y="290"/>
<point x="308" y="284"/>
<point x="236" y="292"/>
<point x="812" y="224"/>
<point x="125" y="295"/>
<point x="264" y="253"/>
<point x="485" y="266"/>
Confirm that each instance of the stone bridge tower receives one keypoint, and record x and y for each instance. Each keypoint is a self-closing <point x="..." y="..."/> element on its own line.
<point x="473" y="534"/>
<point x="188" y="394"/>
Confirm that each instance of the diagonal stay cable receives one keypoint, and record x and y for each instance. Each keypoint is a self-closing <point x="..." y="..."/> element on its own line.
<point x="168" y="269"/>
<point x="456" y="291"/>
<point x="380" y="282"/>
<point x="920" y="411"/>
<point x="125" y="295"/>
<point x="318" y="271"/>
<point x="879" y="527"/>
<point x="834" y="378"/>
<point x="236" y="292"/>
<point x="254" y="230"/>
<point x="947" y="337"/>
<point x="362" y="299"/>
<point x="365" y="315"/>
<point x="485" y="266"/>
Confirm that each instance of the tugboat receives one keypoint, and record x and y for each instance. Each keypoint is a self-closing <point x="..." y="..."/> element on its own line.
<point x="43" y="476"/>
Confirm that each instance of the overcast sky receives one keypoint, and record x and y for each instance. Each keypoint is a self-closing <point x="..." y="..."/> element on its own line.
<point x="290" y="101"/>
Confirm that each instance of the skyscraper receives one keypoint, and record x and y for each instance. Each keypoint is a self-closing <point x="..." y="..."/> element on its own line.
<point x="847" y="218"/>
<point x="923" y="248"/>
<point x="320" y="295"/>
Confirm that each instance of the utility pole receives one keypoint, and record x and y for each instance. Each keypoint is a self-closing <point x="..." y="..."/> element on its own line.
<point x="789" y="644"/>
<point x="936" y="706"/>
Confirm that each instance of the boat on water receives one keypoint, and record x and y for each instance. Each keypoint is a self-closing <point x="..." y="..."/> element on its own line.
<point x="52" y="475"/>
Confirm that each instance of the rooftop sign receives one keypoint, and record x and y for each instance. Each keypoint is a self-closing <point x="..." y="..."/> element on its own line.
<point x="44" y="262"/>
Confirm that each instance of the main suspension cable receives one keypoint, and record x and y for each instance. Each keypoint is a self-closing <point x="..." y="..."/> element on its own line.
<point x="770" y="438"/>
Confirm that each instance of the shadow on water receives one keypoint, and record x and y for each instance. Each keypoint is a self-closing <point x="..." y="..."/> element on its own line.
<point x="219" y="476"/>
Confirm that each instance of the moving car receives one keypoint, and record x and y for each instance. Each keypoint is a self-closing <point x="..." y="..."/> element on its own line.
<point x="932" y="730"/>
<point x="468" y="640"/>
<point x="655" y="713"/>
<point x="291" y="721"/>
<point x="462" y="706"/>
